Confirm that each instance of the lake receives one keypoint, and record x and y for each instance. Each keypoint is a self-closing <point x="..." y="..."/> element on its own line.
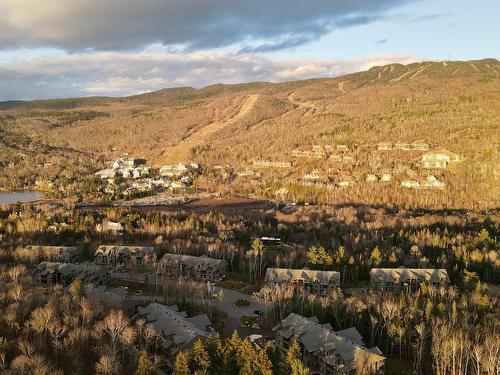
<point x="10" y="197"/>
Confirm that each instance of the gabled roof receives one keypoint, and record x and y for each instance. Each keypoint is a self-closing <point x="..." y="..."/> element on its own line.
<point x="84" y="271"/>
<point x="288" y="274"/>
<point x="115" y="297"/>
<point x="402" y="274"/>
<point x="174" y="326"/>
<point x="192" y="261"/>
<point x="114" y="250"/>
<point x="322" y="341"/>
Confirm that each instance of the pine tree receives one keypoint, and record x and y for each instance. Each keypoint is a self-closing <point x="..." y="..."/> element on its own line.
<point x="76" y="288"/>
<point x="230" y="354"/>
<point x="215" y="350"/>
<point x="144" y="366"/>
<point x="376" y="256"/>
<point x="198" y="357"/>
<point x="293" y="363"/>
<point x="181" y="365"/>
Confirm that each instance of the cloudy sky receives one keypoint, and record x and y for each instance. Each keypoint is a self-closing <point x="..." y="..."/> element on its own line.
<point x="68" y="48"/>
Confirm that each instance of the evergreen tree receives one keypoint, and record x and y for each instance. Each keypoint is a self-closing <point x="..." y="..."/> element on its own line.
<point x="376" y="256"/>
<point x="181" y="365"/>
<point x="198" y="358"/>
<point x="215" y="350"/>
<point x="230" y="354"/>
<point x="144" y="366"/>
<point x="293" y="362"/>
<point x="76" y="288"/>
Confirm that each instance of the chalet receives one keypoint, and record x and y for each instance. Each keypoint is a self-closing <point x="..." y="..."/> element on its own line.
<point x="386" y="177"/>
<point x="38" y="254"/>
<point x="321" y="283"/>
<point x="432" y="183"/>
<point x="384" y="146"/>
<point x="325" y="351"/>
<point x="178" y="170"/>
<point x="402" y="146"/>
<point x="410" y="184"/>
<point x="51" y="273"/>
<point x="398" y="279"/>
<point x="106" y="174"/>
<point x="271" y="164"/>
<point x="315" y="175"/>
<point x="174" y="330"/>
<point x="439" y="159"/>
<point x="112" y="255"/>
<point x="126" y="163"/>
<point x="201" y="268"/>
<point x="115" y="298"/>
<point x="110" y="227"/>
<point x="335" y="157"/>
<point x="419" y="146"/>
<point x="248" y="173"/>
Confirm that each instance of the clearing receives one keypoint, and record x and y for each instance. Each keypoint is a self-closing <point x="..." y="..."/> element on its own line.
<point x="181" y="152"/>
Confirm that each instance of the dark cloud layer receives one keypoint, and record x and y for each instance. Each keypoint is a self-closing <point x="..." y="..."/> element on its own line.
<point x="191" y="24"/>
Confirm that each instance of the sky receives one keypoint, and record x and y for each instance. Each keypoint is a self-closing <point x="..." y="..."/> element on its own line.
<point x="72" y="48"/>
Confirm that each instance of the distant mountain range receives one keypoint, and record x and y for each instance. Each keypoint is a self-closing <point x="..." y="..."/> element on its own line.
<point x="453" y="105"/>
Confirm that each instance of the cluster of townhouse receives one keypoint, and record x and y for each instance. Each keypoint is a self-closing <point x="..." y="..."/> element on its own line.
<point x="402" y="278"/>
<point x="431" y="182"/>
<point x="323" y="350"/>
<point x="141" y="178"/>
<point x="403" y="146"/>
<point x="335" y="178"/>
<point x="326" y="351"/>
<point x="51" y="273"/>
<point x="36" y="254"/>
<point x="330" y="152"/>
<point x="323" y="283"/>
<point x="174" y="330"/>
<point x="187" y="266"/>
<point x="126" y="168"/>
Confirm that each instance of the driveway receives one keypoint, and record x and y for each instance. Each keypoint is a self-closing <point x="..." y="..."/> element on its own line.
<point x="227" y="305"/>
<point x="231" y="296"/>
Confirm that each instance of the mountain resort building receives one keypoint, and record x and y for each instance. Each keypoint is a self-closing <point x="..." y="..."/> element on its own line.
<point x="398" y="279"/>
<point x="321" y="283"/>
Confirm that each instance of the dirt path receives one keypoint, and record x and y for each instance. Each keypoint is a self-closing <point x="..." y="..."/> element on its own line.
<point x="309" y="106"/>
<point x="414" y="72"/>
<point x="181" y="151"/>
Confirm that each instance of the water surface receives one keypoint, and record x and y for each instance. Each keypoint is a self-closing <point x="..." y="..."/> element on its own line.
<point x="10" y="197"/>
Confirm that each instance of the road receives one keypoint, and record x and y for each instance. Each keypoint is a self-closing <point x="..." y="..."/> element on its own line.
<point x="227" y="305"/>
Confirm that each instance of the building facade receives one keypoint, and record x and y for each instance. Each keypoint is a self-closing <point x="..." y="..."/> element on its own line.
<point x="321" y="283"/>
<point x="201" y="268"/>
<point x="399" y="279"/>
<point x="130" y="256"/>
<point x="51" y="273"/>
<point x="325" y="351"/>
<point x="173" y="329"/>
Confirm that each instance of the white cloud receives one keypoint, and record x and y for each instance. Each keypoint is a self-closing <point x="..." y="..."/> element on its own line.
<point x="126" y="73"/>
